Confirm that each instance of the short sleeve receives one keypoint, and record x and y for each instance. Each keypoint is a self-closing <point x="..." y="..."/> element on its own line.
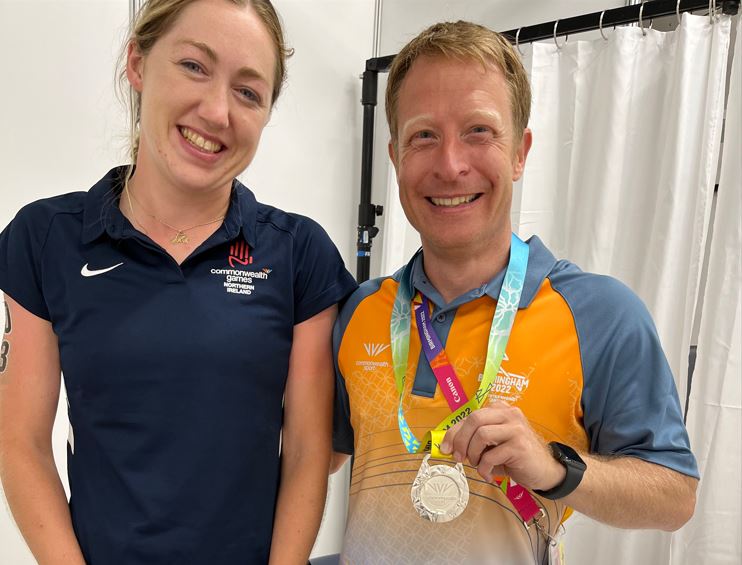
<point x="21" y="246"/>
<point x="342" y="430"/>
<point x="321" y="278"/>
<point x="630" y="400"/>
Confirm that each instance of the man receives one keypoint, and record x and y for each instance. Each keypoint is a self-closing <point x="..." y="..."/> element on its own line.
<point x="580" y="412"/>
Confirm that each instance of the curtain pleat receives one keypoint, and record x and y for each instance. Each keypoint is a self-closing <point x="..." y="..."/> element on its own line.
<point x="715" y="405"/>
<point x="620" y="180"/>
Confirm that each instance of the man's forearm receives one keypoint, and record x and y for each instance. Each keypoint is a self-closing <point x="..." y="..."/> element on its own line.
<point x="301" y="501"/>
<point x="627" y="492"/>
<point x="39" y="505"/>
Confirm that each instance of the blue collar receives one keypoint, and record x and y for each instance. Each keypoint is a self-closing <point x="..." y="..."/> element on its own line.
<point x="540" y="263"/>
<point x="102" y="213"/>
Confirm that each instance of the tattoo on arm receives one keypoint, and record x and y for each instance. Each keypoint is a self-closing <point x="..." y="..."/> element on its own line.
<point x="5" y="345"/>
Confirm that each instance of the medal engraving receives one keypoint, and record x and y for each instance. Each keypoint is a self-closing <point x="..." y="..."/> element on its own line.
<point x="440" y="493"/>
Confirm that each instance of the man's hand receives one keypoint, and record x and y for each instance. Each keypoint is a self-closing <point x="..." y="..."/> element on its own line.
<point x="498" y="440"/>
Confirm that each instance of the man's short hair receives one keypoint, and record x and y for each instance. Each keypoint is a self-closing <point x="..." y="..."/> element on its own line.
<point x="466" y="41"/>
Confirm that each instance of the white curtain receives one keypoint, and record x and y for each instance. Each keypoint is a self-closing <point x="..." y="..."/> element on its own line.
<point x="714" y="421"/>
<point x="620" y="180"/>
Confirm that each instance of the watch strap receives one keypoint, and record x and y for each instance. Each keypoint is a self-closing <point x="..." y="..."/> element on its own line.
<point x="574" y="466"/>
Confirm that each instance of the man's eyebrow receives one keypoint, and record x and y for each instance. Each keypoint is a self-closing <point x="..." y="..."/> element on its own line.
<point x="422" y="118"/>
<point x="487" y="115"/>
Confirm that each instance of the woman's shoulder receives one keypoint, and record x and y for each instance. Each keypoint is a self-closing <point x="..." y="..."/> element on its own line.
<point x="297" y="225"/>
<point x="44" y="208"/>
<point x="42" y="212"/>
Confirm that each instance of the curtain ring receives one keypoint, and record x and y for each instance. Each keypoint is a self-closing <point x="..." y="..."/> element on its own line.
<point x="559" y="47"/>
<point x="641" y="22"/>
<point x="517" y="42"/>
<point x="677" y="10"/>
<point x="600" y="25"/>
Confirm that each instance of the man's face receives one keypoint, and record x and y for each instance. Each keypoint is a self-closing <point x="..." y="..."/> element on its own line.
<point x="457" y="154"/>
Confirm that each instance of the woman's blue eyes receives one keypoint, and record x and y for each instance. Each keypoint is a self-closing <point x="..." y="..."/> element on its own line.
<point x="249" y="94"/>
<point x="246" y="93"/>
<point x="191" y="66"/>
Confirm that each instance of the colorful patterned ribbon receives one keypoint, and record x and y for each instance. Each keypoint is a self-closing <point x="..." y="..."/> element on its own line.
<point x="435" y="353"/>
<point x="502" y="324"/>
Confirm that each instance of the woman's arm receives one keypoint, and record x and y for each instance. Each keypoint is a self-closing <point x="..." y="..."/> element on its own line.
<point x="306" y="440"/>
<point x="29" y="393"/>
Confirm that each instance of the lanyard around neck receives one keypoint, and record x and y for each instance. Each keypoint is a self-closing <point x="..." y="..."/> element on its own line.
<point x="502" y="323"/>
<point x="435" y="353"/>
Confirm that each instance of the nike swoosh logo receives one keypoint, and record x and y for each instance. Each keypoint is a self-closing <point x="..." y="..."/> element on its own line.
<point x="85" y="272"/>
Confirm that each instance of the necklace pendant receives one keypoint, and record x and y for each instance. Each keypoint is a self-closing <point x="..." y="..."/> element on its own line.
<point x="180" y="237"/>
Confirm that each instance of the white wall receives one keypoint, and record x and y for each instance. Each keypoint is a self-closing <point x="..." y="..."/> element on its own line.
<point x="61" y="122"/>
<point x="63" y="129"/>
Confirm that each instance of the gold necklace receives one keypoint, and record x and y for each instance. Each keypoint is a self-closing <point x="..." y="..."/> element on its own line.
<point x="180" y="235"/>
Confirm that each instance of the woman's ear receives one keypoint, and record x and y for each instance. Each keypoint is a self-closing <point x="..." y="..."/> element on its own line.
<point x="134" y="66"/>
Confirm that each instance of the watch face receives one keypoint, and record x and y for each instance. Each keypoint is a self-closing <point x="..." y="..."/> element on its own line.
<point x="567" y="455"/>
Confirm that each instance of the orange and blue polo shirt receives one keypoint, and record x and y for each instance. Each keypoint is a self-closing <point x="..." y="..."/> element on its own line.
<point x="584" y="364"/>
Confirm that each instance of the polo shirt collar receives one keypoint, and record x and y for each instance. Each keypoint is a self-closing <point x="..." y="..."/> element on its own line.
<point x="540" y="263"/>
<point x="103" y="215"/>
<point x="242" y="214"/>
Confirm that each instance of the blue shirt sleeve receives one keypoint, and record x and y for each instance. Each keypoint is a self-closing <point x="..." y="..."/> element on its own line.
<point x="342" y="429"/>
<point x="21" y="247"/>
<point x="629" y="399"/>
<point x="321" y="278"/>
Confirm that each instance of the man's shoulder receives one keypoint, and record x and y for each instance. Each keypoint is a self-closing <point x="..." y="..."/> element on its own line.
<point x="366" y="290"/>
<point x="593" y="293"/>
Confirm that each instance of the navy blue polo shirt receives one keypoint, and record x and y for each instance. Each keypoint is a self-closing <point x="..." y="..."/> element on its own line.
<point x="175" y="374"/>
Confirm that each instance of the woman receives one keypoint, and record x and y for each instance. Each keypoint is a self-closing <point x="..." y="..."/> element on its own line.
<point x="192" y="324"/>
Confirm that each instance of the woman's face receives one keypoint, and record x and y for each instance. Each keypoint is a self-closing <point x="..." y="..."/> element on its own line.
<point x="205" y="95"/>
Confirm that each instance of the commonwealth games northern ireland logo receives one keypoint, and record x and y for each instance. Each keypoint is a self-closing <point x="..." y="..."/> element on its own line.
<point x="239" y="252"/>
<point x="237" y="279"/>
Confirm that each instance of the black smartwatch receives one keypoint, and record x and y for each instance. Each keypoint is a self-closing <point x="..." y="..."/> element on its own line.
<point x="575" y="467"/>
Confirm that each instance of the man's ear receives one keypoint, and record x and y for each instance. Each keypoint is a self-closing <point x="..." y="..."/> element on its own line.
<point x="521" y="153"/>
<point x="393" y="154"/>
<point x="134" y="67"/>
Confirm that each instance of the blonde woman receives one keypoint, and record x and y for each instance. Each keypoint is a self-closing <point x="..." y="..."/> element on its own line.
<point x="192" y="323"/>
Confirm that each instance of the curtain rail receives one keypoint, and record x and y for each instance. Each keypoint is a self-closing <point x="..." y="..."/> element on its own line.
<point x="367" y="212"/>
<point x="591" y="22"/>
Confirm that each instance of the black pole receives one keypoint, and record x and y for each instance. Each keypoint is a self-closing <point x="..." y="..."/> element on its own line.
<point x="367" y="211"/>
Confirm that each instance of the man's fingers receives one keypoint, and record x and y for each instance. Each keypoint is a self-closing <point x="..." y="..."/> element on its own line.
<point x="463" y="435"/>
<point x="483" y="439"/>
<point x="448" y="439"/>
<point x="490" y="463"/>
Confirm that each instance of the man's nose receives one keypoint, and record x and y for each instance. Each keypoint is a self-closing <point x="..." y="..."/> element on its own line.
<point x="452" y="160"/>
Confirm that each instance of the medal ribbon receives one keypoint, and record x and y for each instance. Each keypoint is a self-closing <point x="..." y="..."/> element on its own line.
<point x="444" y="373"/>
<point x="502" y="323"/>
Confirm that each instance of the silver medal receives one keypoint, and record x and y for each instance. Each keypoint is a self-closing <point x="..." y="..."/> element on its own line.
<point x="440" y="492"/>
